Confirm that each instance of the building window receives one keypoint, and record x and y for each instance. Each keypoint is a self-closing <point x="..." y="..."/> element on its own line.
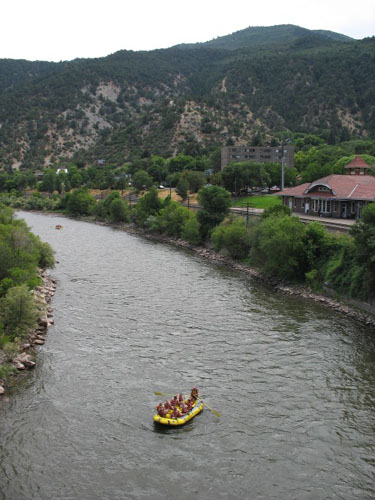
<point x="352" y="207"/>
<point x="295" y="202"/>
<point x="325" y="206"/>
<point x="315" y="205"/>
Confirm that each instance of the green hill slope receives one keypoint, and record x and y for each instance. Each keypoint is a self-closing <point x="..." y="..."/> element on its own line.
<point x="186" y="99"/>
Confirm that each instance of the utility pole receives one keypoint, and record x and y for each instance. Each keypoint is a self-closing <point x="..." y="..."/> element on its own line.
<point x="283" y="160"/>
<point x="282" y="170"/>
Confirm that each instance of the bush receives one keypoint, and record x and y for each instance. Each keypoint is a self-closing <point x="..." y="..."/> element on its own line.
<point x="278" y="247"/>
<point x="6" y="371"/>
<point x="80" y="202"/>
<point x="149" y="204"/>
<point x="18" y="311"/>
<point x="170" y="220"/>
<point x="191" y="231"/>
<point x="280" y="210"/>
<point x="119" y="210"/>
<point x="11" y="349"/>
<point x="232" y="236"/>
<point x="46" y="253"/>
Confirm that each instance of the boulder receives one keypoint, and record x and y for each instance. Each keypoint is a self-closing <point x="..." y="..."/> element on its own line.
<point x="2" y="390"/>
<point x="18" y="365"/>
<point x="38" y="342"/>
<point x="43" y="321"/>
<point x="29" y="363"/>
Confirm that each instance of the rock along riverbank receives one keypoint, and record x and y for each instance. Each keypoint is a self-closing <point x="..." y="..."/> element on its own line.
<point x="26" y="357"/>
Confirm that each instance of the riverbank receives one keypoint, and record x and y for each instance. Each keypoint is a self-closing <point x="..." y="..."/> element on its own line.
<point x="24" y="355"/>
<point x="277" y="285"/>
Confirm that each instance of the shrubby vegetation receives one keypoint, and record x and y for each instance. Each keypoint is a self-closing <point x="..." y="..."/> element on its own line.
<point x="277" y="244"/>
<point x="21" y="255"/>
<point x="233" y="236"/>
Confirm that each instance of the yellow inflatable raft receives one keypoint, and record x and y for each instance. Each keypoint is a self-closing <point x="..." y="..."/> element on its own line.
<point x="168" y="420"/>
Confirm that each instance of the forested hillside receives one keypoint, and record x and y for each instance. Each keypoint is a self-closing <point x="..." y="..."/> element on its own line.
<point x="254" y="86"/>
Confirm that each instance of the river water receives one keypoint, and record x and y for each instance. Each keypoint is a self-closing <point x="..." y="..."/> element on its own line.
<point x="294" y="383"/>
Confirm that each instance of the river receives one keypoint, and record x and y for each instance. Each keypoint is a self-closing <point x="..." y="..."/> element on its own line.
<point x="294" y="383"/>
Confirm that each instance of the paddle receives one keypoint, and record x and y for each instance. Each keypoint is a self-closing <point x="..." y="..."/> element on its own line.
<point x="209" y="407"/>
<point x="200" y="399"/>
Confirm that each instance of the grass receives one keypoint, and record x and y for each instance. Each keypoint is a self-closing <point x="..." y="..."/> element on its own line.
<point x="265" y="201"/>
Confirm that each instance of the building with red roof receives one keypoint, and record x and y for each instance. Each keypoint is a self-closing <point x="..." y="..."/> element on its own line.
<point x="358" y="166"/>
<point x="340" y="196"/>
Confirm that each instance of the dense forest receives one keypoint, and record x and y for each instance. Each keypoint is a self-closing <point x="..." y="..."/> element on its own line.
<point x="256" y="86"/>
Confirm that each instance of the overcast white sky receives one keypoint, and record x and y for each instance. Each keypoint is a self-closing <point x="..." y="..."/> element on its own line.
<point x="52" y="30"/>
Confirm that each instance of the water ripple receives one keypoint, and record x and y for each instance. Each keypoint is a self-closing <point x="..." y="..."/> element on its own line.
<point x="293" y="382"/>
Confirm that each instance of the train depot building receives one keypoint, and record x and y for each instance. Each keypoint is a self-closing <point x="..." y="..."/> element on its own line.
<point x="339" y="196"/>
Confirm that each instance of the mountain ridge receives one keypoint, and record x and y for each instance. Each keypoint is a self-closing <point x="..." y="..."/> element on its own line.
<point x="189" y="99"/>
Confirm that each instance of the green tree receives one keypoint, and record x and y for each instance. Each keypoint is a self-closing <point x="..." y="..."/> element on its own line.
<point x="76" y="180"/>
<point x="182" y="188"/>
<point x="179" y="163"/>
<point x="215" y="202"/>
<point x="49" y="181"/>
<point x="196" y="180"/>
<point x="274" y="172"/>
<point x="119" y="210"/>
<point x="244" y="175"/>
<point x="170" y="219"/>
<point x="278" y="247"/>
<point x="141" y="180"/>
<point x="80" y="202"/>
<point x="149" y="204"/>
<point x="363" y="232"/>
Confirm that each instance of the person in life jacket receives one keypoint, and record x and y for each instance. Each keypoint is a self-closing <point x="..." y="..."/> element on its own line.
<point x="167" y="405"/>
<point x="184" y="409"/>
<point x="194" y="393"/>
<point x="161" y="410"/>
<point x="176" y="413"/>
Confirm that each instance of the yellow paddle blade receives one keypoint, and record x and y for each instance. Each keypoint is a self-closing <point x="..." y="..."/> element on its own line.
<point x="209" y="407"/>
